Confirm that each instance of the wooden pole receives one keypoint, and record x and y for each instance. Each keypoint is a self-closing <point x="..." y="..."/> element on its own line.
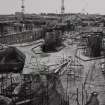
<point x="77" y="97"/>
<point x="82" y="95"/>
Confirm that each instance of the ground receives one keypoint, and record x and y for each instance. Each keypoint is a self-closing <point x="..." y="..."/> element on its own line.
<point x="83" y="79"/>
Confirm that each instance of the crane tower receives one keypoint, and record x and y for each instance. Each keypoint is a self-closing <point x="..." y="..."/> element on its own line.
<point x="22" y="7"/>
<point x="62" y="7"/>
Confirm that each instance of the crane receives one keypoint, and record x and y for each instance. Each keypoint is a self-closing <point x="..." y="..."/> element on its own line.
<point x="62" y="7"/>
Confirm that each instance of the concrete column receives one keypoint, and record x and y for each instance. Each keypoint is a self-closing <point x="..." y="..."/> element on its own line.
<point x="2" y="29"/>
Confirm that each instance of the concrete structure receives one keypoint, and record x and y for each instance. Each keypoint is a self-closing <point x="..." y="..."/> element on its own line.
<point x="21" y="37"/>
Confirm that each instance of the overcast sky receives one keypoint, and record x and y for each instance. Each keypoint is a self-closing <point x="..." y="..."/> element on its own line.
<point x="38" y="6"/>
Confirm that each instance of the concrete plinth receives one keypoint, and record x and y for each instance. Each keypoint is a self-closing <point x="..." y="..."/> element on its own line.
<point x="81" y="56"/>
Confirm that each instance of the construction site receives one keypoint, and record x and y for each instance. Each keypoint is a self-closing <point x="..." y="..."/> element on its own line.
<point x="52" y="59"/>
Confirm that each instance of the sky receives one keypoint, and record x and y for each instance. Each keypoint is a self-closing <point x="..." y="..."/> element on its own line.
<point x="53" y="6"/>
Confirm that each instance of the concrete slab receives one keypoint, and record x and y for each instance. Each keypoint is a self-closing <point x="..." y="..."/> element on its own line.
<point x="79" y="55"/>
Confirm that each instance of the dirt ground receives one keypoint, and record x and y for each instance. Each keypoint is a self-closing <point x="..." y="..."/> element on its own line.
<point x="74" y="76"/>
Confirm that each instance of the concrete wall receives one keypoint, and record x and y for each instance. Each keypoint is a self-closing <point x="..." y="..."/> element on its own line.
<point x="22" y="37"/>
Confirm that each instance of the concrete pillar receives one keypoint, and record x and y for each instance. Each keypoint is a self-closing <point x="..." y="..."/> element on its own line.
<point x="2" y="30"/>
